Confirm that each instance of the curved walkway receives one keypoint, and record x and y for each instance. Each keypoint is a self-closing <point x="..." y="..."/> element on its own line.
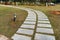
<point x="36" y="27"/>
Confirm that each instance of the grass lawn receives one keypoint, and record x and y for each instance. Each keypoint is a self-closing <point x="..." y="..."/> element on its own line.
<point x="7" y="26"/>
<point x="54" y="19"/>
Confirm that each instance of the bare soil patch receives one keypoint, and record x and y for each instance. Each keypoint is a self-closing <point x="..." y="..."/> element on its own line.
<point x="55" y="12"/>
<point x="2" y="37"/>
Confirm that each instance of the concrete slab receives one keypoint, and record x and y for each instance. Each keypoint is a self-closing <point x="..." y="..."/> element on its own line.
<point x="27" y="22"/>
<point x="28" y="26"/>
<point x="44" y="25"/>
<point x="43" y="21"/>
<point x="31" y="15"/>
<point x="31" y="19"/>
<point x="40" y="13"/>
<point x="41" y="16"/>
<point x="44" y="37"/>
<point x="45" y="30"/>
<point x="25" y="31"/>
<point x="20" y="37"/>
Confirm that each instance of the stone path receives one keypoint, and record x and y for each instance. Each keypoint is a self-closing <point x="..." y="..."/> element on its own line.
<point x="36" y="27"/>
<point x="25" y="32"/>
<point x="44" y="29"/>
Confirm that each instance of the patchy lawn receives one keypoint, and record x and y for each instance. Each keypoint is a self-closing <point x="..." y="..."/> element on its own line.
<point x="7" y="26"/>
<point x="54" y="18"/>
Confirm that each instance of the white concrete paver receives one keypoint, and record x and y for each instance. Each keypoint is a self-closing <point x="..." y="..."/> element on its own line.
<point x="44" y="37"/>
<point x="45" y="30"/>
<point x="44" y="25"/>
<point x="20" y="37"/>
<point x="42" y="16"/>
<point x="25" y="31"/>
<point x="28" y="26"/>
<point x="27" y="22"/>
<point x="43" y="21"/>
<point x="31" y="19"/>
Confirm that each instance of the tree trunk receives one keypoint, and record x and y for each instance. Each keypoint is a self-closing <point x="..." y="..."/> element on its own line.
<point x="6" y="3"/>
<point x="14" y="3"/>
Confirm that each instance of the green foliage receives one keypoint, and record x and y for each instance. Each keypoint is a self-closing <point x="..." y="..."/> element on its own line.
<point x="54" y="1"/>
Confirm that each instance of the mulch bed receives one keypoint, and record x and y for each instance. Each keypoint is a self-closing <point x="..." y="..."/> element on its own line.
<point x="55" y="12"/>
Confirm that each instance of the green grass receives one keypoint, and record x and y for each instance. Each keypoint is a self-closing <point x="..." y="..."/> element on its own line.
<point x="7" y="26"/>
<point x="54" y="19"/>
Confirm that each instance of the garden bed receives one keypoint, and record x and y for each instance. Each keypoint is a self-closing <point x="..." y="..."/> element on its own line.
<point x="55" y="12"/>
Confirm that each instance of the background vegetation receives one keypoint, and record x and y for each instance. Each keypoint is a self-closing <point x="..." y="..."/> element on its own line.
<point x="15" y="2"/>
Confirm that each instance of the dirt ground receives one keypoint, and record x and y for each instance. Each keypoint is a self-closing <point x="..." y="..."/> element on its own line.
<point x="2" y="37"/>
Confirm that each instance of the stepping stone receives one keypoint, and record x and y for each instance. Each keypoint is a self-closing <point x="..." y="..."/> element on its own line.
<point x="45" y="30"/>
<point x="44" y="37"/>
<point x="44" y="25"/>
<point x="25" y="31"/>
<point x="31" y="14"/>
<point x="42" y="16"/>
<point x="42" y="19"/>
<point x="31" y="17"/>
<point x="28" y="26"/>
<point x="40" y="13"/>
<point x="43" y="22"/>
<point x="20" y="37"/>
<point x="29" y="22"/>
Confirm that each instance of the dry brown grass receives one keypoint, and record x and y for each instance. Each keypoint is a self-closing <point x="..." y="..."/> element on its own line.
<point x="7" y="26"/>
